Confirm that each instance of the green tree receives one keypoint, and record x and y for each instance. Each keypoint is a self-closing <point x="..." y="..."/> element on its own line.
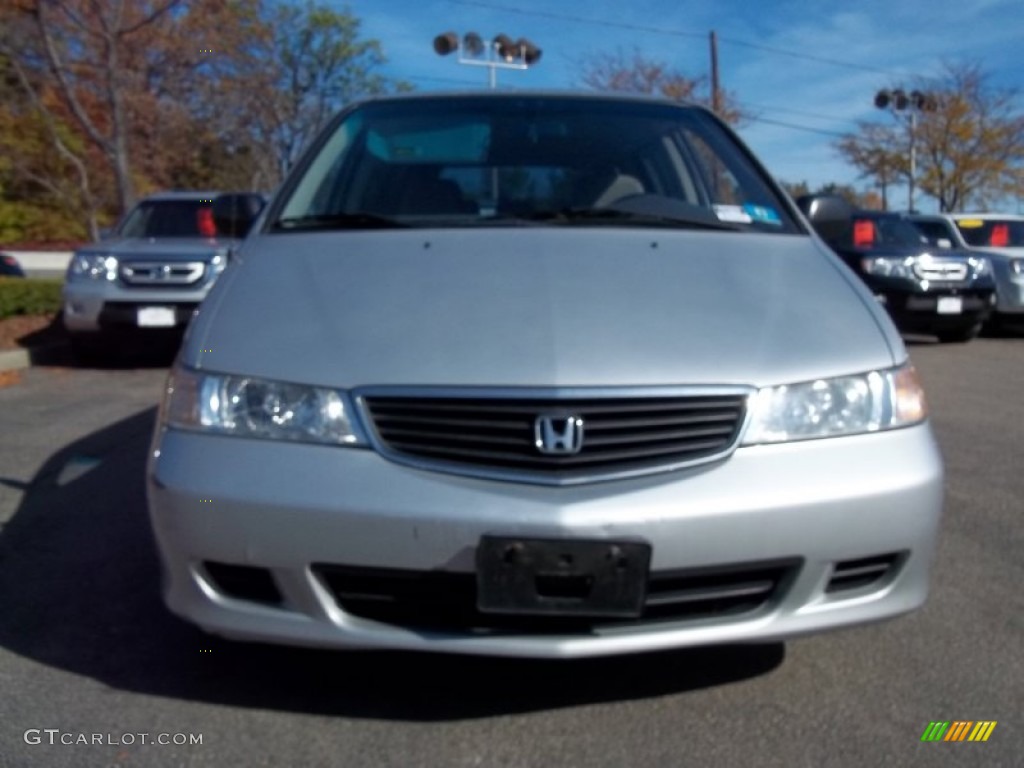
<point x="312" y="61"/>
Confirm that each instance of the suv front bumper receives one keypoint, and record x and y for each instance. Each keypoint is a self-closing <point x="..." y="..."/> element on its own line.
<point x="95" y="306"/>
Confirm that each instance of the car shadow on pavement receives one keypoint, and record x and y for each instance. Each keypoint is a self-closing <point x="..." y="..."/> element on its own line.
<point x="79" y="591"/>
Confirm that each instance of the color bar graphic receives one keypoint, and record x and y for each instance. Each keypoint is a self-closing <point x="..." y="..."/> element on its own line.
<point x="958" y="730"/>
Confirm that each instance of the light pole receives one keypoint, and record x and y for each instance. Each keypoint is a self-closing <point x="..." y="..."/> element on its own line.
<point x="899" y="101"/>
<point x="500" y="53"/>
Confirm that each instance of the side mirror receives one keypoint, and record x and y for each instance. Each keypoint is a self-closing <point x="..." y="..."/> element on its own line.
<point x="234" y="214"/>
<point x="830" y="215"/>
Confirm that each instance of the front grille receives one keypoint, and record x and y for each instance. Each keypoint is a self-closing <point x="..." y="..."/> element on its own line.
<point x="941" y="270"/>
<point x="157" y="273"/>
<point x="447" y="601"/>
<point x="498" y="437"/>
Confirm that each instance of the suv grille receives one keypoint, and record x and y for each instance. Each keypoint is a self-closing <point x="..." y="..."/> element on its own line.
<point x="159" y="273"/>
<point x="447" y="601"/>
<point x="585" y="438"/>
<point x="941" y="270"/>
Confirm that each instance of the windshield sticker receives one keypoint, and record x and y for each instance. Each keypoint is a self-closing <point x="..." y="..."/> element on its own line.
<point x="970" y="223"/>
<point x="763" y="214"/>
<point x="732" y="213"/>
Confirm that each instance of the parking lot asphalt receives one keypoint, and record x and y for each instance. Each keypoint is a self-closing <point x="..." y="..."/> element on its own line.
<point x="87" y="649"/>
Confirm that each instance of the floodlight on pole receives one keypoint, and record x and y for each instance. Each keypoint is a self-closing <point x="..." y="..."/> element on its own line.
<point x="899" y="101"/>
<point x="501" y="52"/>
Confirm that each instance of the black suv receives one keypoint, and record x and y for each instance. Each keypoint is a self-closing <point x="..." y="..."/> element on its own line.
<point x="947" y="293"/>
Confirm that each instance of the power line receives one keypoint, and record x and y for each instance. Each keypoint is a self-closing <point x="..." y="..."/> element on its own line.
<point x="675" y="33"/>
<point x="801" y="112"/>
<point x="794" y="126"/>
<point x="809" y="57"/>
<point x="580" y="19"/>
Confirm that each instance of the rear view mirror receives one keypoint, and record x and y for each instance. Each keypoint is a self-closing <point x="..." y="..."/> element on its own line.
<point x="234" y="214"/>
<point x="944" y="242"/>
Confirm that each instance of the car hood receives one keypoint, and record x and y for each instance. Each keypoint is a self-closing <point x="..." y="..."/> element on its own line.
<point x="540" y="307"/>
<point x="899" y="251"/>
<point x="1001" y="253"/>
<point x="164" y="248"/>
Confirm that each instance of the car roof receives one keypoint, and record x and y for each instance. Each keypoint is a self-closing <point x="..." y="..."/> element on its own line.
<point x="530" y="93"/>
<point x="179" y="194"/>
<point x="982" y="216"/>
<point x="987" y="216"/>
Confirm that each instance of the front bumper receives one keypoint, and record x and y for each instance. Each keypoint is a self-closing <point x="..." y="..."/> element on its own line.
<point x="97" y="306"/>
<point x="925" y="312"/>
<point x="294" y="514"/>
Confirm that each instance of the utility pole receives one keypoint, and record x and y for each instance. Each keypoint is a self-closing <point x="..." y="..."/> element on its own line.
<point x="716" y="101"/>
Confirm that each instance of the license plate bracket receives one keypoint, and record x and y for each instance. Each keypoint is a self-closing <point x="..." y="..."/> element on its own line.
<point x="562" y="577"/>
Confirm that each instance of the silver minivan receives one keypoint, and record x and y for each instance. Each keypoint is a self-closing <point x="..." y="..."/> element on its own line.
<point x="538" y="374"/>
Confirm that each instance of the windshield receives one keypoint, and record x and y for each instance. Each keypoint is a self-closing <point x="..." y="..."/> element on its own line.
<point x="880" y="231"/>
<point x="994" y="233"/>
<point x="543" y="161"/>
<point x="170" y="218"/>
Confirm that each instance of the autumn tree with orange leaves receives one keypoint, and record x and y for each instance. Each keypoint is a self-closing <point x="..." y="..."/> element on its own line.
<point x="970" y="148"/>
<point x="104" y="102"/>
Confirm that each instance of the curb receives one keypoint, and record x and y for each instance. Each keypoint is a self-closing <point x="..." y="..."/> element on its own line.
<point x="15" y="359"/>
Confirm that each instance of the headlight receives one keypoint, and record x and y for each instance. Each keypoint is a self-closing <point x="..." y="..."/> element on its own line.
<point x="92" y="266"/>
<point x="250" y="407"/>
<point x="1017" y="265"/>
<point x="980" y="266"/>
<point x="889" y="267"/>
<point x="848" y="405"/>
<point x="219" y="262"/>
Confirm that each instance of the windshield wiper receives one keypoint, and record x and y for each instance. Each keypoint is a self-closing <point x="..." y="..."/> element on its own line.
<point x="357" y="220"/>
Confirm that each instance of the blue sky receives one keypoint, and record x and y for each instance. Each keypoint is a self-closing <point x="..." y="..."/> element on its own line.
<point x="814" y="66"/>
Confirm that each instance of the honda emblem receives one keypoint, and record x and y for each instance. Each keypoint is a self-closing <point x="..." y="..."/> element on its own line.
<point x="558" y="435"/>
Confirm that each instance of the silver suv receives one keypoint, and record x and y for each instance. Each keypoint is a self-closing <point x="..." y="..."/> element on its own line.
<point x="151" y="273"/>
<point x="997" y="236"/>
<point x="539" y="375"/>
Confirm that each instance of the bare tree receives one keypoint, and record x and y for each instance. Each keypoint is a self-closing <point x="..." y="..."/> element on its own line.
<point x="880" y="155"/>
<point x="636" y="73"/>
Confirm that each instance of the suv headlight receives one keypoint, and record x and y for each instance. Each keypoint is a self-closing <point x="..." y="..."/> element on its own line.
<point x="980" y="266"/>
<point x="259" y="408"/>
<point x="92" y="266"/>
<point x="219" y="262"/>
<point x="847" y="405"/>
<point x="887" y="266"/>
